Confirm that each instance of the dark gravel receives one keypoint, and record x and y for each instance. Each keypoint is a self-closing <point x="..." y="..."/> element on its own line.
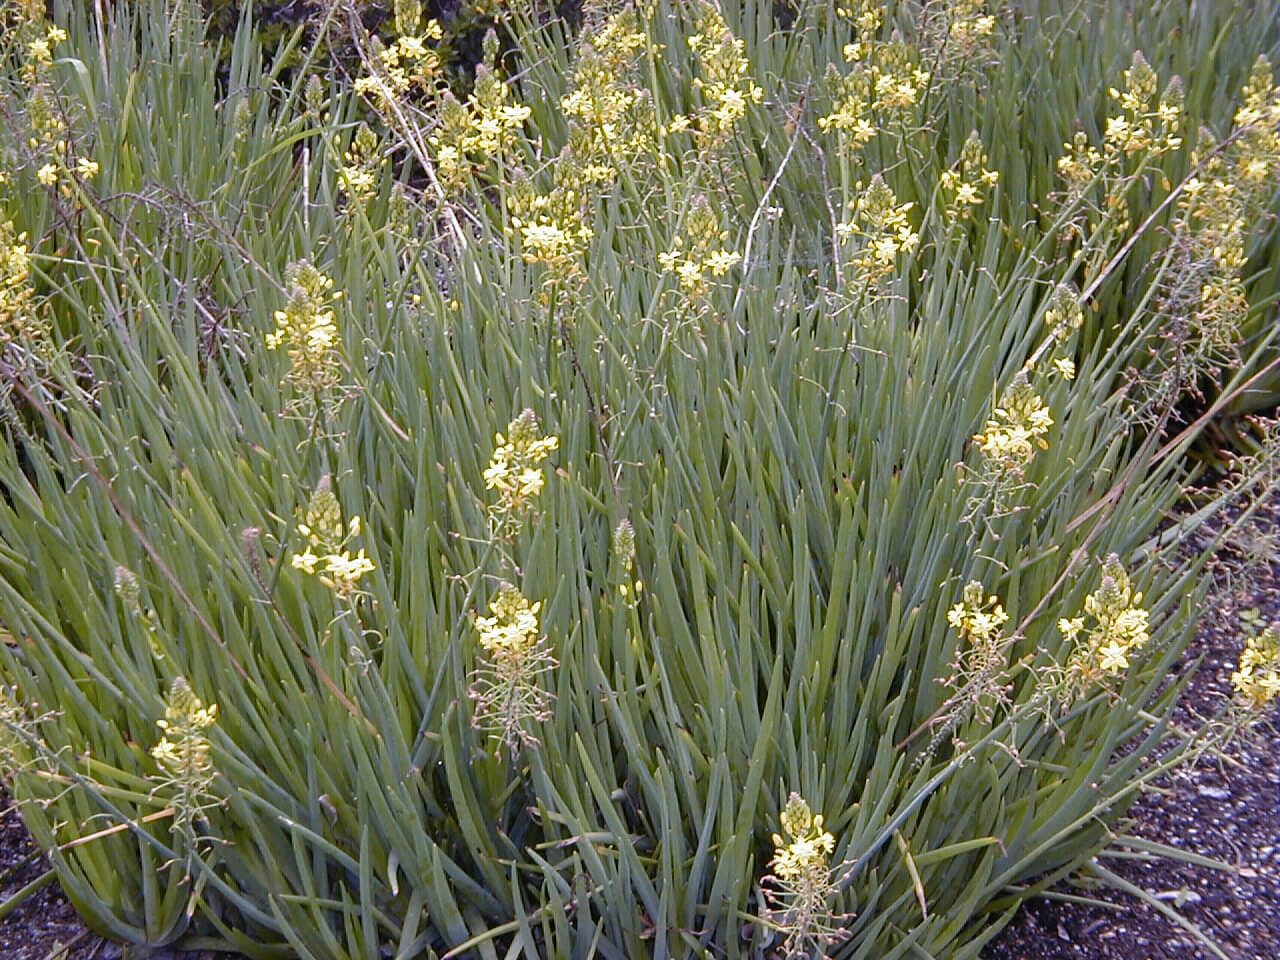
<point x="45" y="920"/>
<point x="44" y="926"/>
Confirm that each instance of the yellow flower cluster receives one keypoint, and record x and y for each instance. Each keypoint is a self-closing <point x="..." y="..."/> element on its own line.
<point x="865" y="15"/>
<point x="307" y="329"/>
<point x="611" y="115"/>
<point x="881" y="229"/>
<point x="1120" y="628"/>
<point x="57" y="172"/>
<point x="363" y="163"/>
<point x="405" y="64"/>
<point x="1063" y="314"/>
<point x="973" y="618"/>
<point x="1144" y="125"/>
<point x="970" y="22"/>
<point x="1016" y="428"/>
<point x="1202" y="299"/>
<point x="20" y="324"/>
<point x="1144" y="129"/>
<point x="504" y="686"/>
<point x="699" y="252"/>
<point x="612" y="123"/>
<point x="552" y="226"/>
<point x="494" y="118"/>
<point x="851" y="114"/>
<point x="514" y="469"/>
<point x="807" y="846"/>
<point x="39" y="47"/>
<point x="183" y="752"/>
<point x="1220" y="202"/>
<point x="512" y="630"/>
<point x="979" y="674"/>
<point x="962" y="184"/>
<point x="327" y="555"/>
<point x="183" y="748"/>
<point x="1080" y="165"/>
<point x="471" y="135"/>
<point x="46" y="115"/>
<point x="29" y="41"/>
<point x="884" y="82"/>
<point x="450" y="143"/>
<point x="897" y="79"/>
<point x="1257" y="152"/>
<point x="1257" y="676"/>
<point x="726" y="86"/>
<point x="955" y="35"/>
<point x="800" y="885"/>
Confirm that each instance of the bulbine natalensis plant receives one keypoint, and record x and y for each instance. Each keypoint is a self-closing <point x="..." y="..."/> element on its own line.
<point x="712" y="486"/>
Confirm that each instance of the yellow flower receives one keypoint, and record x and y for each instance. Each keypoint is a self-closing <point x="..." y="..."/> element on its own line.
<point x="1119" y="630"/>
<point x="514" y="470"/>
<point x="362" y="166"/>
<point x="690" y="273"/>
<point x="183" y="753"/>
<point x="344" y="570"/>
<point x="513" y="628"/>
<point x="807" y="845"/>
<point x="553" y="227"/>
<point x="48" y="174"/>
<point x="1113" y="657"/>
<point x="961" y="184"/>
<point x="513" y="653"/>
<point x="1257" y="676"/>
<point x="700" y="251"/>
<point x="21" y="319"/>
<point x="1017" y="427"/>
<point x="38" y="50"/>
<point x="327" y="534"/>
<point x="679" y="123"/>
<point x="721" y="261"/>
<point x="406" y="63"/>
<point x="529" y="482"/>
<point x="308" y="331"/>
<point x="799" y="887"/>
<point x="976" y="619"/>
<point x="305" y="561"/>
<point x="723" y="79"/>
<point x="882" y="226"/>
<point x="545" y="240"/>
<point x="369" y="86"/>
